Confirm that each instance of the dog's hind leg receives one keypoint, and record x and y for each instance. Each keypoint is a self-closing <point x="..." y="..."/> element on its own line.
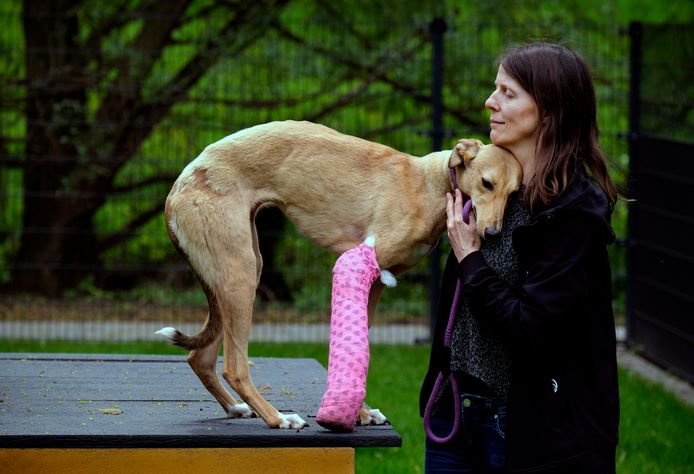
<point x="204" y="346"/>
<point x="238" y="260"/>
<point x="203" y="361"/>
<point x="237" y="328"/>
<point x="371" y="416"/>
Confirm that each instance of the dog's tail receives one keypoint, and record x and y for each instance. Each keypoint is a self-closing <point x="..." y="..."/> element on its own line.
<point x="210" y="330"/>
<point x="203" y="339"/>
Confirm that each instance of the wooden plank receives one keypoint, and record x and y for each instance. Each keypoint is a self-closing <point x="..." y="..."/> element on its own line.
<point x="60" y="401"/>
<point x="183" y="460"/>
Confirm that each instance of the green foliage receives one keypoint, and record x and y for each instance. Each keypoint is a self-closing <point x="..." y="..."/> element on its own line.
<point x="360" y="66"/>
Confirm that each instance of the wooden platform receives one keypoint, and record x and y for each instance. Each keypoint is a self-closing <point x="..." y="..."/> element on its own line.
<point x="56" y="407"/>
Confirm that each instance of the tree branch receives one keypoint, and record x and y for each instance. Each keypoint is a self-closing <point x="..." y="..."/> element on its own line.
<point x="112" y="22"/>
<point x="160" y="20"/>
<point x="408" y="121"/>
<point x="249" y="25"/>
<point x="251" y="21"/>
<point x="123" y="95"/>
<point x="252" y="103"/>
<point x="352" y="64"/>
<point x="406" y="89"/>
<point x="159" y="179"/>
<point x="345" y="98"/>
<point x="126" y="232"/>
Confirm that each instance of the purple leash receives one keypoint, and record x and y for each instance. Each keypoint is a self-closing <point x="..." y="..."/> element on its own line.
<point x="454" y="382"/>
<point x="448" y="337"/>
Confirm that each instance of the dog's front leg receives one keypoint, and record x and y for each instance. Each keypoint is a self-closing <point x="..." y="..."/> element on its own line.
<point x="348" y="362"/>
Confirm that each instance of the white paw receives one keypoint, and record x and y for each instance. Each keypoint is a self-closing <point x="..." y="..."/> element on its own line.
<point x="388" y="279"/>
<point x="167" y="332"/>
<point x="293" y="422"/>
<point x="372" y="417"/>
<point x="377" y="418"/>
<point x="370" y="240"/>
<point x="240" y="410"/>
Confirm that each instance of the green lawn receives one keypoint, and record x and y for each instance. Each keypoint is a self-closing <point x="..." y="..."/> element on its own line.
<point x="656" y="428"/>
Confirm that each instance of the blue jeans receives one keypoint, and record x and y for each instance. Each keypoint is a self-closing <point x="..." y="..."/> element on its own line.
<point x="480" y="444"/>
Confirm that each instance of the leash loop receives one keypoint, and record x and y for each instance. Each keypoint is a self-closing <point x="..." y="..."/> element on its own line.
<point x="448" y="337"/>
<point x="456" y="406"/>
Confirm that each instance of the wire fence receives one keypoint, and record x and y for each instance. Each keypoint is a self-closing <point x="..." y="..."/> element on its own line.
<point x="97" y="120"/>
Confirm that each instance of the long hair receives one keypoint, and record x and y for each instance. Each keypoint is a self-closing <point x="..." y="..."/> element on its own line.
<point x="560" y="83"/>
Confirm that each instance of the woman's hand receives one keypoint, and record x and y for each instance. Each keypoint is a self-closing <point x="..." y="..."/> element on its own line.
<point x="463" y="237"/>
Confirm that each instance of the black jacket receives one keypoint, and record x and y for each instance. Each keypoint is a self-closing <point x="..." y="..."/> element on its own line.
<point x="559" y="325"/>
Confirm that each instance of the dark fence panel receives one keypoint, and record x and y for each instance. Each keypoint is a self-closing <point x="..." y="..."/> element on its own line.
<point x="661" y="219"/>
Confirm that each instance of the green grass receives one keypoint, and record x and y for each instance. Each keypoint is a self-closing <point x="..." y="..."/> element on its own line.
<point x="656" y="429"/>
<point x="655" y="433"/>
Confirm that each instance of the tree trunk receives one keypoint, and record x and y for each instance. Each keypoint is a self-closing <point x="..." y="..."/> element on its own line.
<point x="58" y="248"/>
<point x="70" y="164"/>
<point x="57" y="240"/>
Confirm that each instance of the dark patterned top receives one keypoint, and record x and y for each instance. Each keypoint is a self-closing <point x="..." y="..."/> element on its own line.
<point x="474" y="349"/>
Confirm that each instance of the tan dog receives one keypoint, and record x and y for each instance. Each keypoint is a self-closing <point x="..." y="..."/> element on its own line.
<point x="337" y="190"/>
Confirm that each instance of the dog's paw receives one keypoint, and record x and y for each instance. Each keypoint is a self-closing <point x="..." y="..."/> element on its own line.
<point x="372" y="417"/>
<point x="240" y="410"/>
<point x="378" y="418"/>
<point x="292" y="422"/>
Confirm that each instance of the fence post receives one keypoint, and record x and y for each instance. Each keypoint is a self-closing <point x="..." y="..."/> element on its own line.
<point x="635" y="53"/>
<point x="437" y="28"/>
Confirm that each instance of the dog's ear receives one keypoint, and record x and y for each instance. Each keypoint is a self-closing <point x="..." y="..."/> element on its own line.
<point x="464" y="152"/>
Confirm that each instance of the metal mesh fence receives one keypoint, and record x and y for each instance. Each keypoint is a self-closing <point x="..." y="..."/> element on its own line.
<point x="94" y="128"/>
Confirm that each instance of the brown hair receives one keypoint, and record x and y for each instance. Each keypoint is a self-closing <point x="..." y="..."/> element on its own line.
<point x="560" y="83"/>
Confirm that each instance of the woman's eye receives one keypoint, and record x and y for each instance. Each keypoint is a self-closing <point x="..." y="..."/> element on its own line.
<point x="487" y="184"/>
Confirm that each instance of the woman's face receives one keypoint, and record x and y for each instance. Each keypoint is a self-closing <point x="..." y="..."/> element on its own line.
<point x="515" y="118"/>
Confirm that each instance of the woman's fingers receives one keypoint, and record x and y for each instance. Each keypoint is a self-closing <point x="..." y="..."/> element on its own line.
<point x="458" y="206"/>
<point x="449" y="209"/>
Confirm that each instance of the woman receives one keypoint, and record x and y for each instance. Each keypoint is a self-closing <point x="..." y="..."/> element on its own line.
<point x="533" y="351"/>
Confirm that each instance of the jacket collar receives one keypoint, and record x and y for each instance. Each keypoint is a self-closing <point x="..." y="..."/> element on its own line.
<point x="585" y="196"/>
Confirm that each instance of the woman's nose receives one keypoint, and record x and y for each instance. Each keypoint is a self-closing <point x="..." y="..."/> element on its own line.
<point x="490" y="103"/>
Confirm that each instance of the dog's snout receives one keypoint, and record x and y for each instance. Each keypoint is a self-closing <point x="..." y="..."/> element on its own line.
<point x="491" y="233"/>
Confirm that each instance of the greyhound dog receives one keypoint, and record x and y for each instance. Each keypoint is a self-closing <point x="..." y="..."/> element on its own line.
<point x="337" y="189"/>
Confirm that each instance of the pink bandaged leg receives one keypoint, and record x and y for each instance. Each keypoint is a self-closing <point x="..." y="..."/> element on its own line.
<point x="348" y="361"/>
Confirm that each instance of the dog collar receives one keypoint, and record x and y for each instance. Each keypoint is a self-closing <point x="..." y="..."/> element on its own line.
<point x="454" y="178"/>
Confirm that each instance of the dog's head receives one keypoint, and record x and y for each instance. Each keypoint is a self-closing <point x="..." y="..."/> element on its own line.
<point x="488" y="174"/>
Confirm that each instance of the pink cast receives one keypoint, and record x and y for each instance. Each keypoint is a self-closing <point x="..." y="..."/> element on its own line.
<point x="348" y="361"/>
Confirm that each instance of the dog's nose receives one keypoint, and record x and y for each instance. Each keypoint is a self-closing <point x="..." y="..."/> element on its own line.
<point x="491" y="233"/>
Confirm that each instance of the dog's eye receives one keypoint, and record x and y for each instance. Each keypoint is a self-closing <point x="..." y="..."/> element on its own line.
<point x="487" y="184"/>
